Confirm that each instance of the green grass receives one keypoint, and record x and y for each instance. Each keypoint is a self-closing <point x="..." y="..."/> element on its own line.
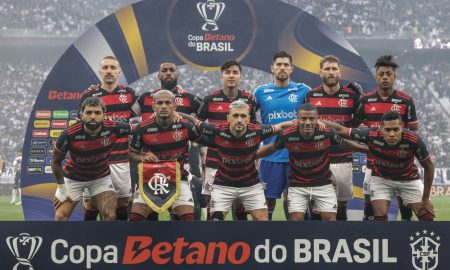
<point x="10" y="212"/>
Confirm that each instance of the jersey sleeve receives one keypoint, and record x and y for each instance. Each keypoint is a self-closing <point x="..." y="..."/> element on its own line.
<point x="203" y="110"/>
<point x="208" y="129"/>
<point x="137" y="139"/>
<point x="134" y="100"/>
<point x="359" y="134"/>
<point x="196" y="102"/>
<point x="279" y="142"/>
<point x="253" y="109"/>
<point x="335" y="139"/>
<point x="412" y="116"/>
<point x="359" y="113"/>
<point x="63" y="142"/>
<point x="123" y="129"/>
<point x="194" y="133"/>
<point x="266" y="131"/>
<point x="421" y="151"/>
<point x="256" y="94"/>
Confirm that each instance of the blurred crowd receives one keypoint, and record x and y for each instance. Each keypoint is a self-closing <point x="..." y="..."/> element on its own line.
<point x="385" y="18"/>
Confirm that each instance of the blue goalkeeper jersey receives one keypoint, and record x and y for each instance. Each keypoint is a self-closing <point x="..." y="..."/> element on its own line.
<point x="276" y="105"/>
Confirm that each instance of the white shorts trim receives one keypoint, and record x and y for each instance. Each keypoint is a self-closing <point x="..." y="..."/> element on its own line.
<point x="252" y="197"/>
<point x="342" y="177"/>
<point x="76" y="189"/>
<point x="324" y="198"/>
<point x="383" y="189"/>
<point x="121" y="179"/>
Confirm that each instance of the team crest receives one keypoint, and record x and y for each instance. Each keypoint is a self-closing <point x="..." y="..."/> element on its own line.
<point x="105" y="141"/>
<point x="425" y="250"/>
<point x="395" y="107"/>
<point x="160" y="184"/>
<point x="178" y="136"/>
<point x="123" y="98"/>
<point x="319" y="146"/>
<point x="250" y="142"/>
<point x="343" y="103"/>
<point x="179" y="101"/>
<point x="24" y="247"/>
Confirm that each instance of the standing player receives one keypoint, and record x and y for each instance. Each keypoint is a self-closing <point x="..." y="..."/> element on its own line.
<point x="372" y="106"/>
<point x="393" y="149"/>
<point x="278" y="101"/>
<point x="338" y="104"/>
<point x="17" y="165"/>
<point x="185" y="102"/>
<point x="90" y="143"/>
<point x="237" y="178"/>
<point x="159" y="138"/>
<point x="118" y="100"/>
<point x="215" y="108"/>
<point x="310" y="176"/>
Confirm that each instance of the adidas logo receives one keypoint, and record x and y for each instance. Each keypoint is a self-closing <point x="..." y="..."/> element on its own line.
<point x="318" y="103"/>
<point x="269" y="98"/>
<point x="219" y="107"/>
<point x="373" y="109"/>
<point x="82" y="146"/>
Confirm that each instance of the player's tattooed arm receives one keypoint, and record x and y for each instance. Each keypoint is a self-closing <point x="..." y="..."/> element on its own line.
<point x="428" y="176"/>
<point x="138" y="157"/>
<point x="341" y="130"/>
<point x="353" y="146"/>
<point x="191" y="118"/>
<point x="280" y="126"/>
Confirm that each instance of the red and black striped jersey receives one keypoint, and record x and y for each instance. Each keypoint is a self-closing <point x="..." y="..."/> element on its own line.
<point x="372" y="107"/>
<point x="393" y="162"/>
<point x="215" y="107"/>
<point x="339" y="107"/>
<point x="118" y="108"/>
<point x="308" y="157"/>
<point x="185" y="101"/>
<point x="236" y="164"/>
<point x="89" y="155"/>
<point x="170" y="143"/>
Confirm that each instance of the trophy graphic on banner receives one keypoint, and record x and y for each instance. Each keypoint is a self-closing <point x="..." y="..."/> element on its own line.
<point x="24" y="247"/>
<point x="211" y="7"/>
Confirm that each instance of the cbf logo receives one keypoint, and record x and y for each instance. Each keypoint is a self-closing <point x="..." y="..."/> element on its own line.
<point x="158" y="183"/>
<point x="210" y="11"/>
<point x="24" y="247"/>
<point x="424" y="250"/>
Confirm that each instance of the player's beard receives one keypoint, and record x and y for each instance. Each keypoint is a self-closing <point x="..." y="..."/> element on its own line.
<point x="328" y="83"/>
<point x="168" y="84"/>
<point x="93" y="125"/>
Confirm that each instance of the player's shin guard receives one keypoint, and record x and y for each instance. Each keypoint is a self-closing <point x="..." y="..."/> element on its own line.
<point x="426" y="217"/>
<point x="90" y="215"/>
<point x="153" y="216"/>
<point x="405" y="212"/>
<point x="368" y="211"/>
<point x="380" y="218"/>
<point x="240" y="213"/>
<point x="187" y="217"/>
<point x="341" y="213"/>
<point x="270" y="214"/>
<point x="122" y="213"/>
<point x="136" y="217"/>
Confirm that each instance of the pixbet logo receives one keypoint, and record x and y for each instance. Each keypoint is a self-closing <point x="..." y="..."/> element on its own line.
<point x="282" y="115"/>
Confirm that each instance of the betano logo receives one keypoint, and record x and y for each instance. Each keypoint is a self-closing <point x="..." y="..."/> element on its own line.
<point x="64" y="95"/>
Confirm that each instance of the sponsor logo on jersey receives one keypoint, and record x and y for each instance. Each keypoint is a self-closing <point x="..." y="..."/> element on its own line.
<point x="372" y="99"/>
<point x="270" y="90"/>
<point x="269" y="98"/>
<point x="373" y="109"/>
<point x="282" y="115"/>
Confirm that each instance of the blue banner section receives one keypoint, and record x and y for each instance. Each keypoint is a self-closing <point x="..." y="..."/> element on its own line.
<point x="225" y="245"/>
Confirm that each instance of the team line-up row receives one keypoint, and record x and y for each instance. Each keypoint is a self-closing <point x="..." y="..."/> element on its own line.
<point x="308" y="136"/>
